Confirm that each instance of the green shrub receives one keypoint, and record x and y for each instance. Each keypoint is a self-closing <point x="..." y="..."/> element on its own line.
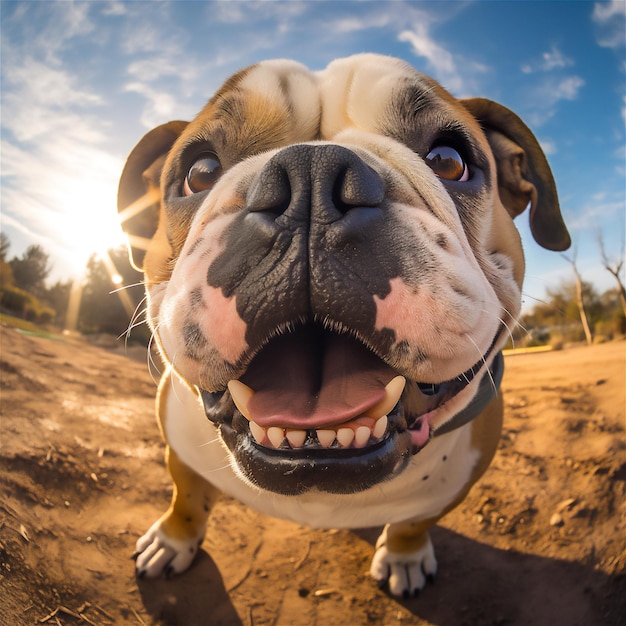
<point x="25" y="305"/>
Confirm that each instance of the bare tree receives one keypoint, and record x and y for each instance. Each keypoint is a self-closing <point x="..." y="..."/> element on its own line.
<point x="579" y="296"/>
<point x="615" y="268"/>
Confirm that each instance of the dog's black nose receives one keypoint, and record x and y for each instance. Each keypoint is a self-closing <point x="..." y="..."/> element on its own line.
<point x="317" y="183"/>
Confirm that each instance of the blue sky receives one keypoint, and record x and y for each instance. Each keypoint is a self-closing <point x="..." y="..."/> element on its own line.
<point x="82" y="81"/>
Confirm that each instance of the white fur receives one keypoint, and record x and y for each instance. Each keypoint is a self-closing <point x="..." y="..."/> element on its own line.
<point x="157" y="552"/>
<point x="406" y="572"/>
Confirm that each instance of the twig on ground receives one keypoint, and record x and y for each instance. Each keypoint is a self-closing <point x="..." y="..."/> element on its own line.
<point x="137" y="616"/>
<point x="303" y="558"/>
<point x="240" y="581"/>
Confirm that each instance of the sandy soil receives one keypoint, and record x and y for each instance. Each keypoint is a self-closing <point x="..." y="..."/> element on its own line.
<point x="540" y="540"/>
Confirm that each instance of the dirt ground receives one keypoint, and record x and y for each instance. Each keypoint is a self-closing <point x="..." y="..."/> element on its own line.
<point x="539" y="541"/>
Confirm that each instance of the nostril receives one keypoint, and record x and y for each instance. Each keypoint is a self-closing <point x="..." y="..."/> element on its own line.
<point x="339" y="198"/>
<point x="357" y="185"/>
<point x="271" y="191"/>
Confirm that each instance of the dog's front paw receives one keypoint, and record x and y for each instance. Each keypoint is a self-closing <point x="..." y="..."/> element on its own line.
<point x="158" y="554"/>
<point x="406" y="573"/>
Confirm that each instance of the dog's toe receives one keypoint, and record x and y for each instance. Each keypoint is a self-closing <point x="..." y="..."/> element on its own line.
<point x="405" y="574"/>
<point x="158" y="554"/>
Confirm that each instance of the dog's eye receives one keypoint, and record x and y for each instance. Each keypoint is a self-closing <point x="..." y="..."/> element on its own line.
<point x="447" y="163"/>
<point x="203" y="174"/>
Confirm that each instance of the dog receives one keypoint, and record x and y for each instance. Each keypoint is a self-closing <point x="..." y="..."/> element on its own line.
<point x="332" y="270"/>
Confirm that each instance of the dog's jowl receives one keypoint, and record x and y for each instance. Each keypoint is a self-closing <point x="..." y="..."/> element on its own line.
<point x="332" y="269"/>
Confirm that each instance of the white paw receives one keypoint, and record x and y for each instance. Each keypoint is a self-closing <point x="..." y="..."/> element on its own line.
<point x="157" y="554"/>
<point x="407" y="574"/>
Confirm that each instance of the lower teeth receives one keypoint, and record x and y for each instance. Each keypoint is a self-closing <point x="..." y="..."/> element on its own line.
<point x="345" y="437"/>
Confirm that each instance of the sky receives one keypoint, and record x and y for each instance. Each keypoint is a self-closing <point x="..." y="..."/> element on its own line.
<point x="81" y="82"/>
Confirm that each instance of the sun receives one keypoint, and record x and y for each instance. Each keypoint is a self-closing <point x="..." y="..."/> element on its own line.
<point x="89" y="223"/>
<point x="89" y="226"/>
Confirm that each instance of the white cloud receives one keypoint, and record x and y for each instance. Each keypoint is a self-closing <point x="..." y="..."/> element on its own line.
<point x="58" y="179"/>
<point x="552" y="84"/>
<point x="610" y="21"/>
<point x="153" y="68"/>
<point x="442" y="62"/>
<point x="424" y="46"/>
<point x="355" y="24"/>
<point x="545" y="97"/>
<point x="551" y="60"/>
<point x="160" y="107"/>
<point x="146" y="37"/>
<point x="114" y="8"/>
<point x="48" y="37"/>
<point x="246" y="12"/>
<point x="42" y="101"/>
<point x="548" y="146"/>
<point x="596" y="212"/>
<point x="567" y="88"/>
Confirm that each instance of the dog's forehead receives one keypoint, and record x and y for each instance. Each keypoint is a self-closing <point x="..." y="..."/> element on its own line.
<point x="285" y="102"/>
<point x="364" y="91"/>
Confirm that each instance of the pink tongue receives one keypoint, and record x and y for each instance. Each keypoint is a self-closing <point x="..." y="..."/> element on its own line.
<point x="313" y="378"/>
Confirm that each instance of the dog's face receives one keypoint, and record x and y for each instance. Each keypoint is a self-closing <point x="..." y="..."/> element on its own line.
<point x="317" y="240"/>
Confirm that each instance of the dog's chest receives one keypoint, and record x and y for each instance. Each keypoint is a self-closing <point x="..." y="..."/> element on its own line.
<point x="431" y="480"/>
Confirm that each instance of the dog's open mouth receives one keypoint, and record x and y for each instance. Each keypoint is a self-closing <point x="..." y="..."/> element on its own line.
<point x="317" y="409"/>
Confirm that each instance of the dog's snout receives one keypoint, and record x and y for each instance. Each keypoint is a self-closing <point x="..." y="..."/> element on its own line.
<point x="315" y="182"/>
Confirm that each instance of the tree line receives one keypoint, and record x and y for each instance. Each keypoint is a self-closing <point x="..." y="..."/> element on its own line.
<point x="572" y="311"/>
<point x="24" y="292"/>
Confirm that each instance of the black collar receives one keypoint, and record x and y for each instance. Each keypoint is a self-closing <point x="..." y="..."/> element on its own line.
<point x="487" y="390"/>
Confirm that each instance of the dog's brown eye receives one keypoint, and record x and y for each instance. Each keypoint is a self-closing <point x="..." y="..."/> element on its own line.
<point x="203" y="174"/>
<point x="447" y="163"/>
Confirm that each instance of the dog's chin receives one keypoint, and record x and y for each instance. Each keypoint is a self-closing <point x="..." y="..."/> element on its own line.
<point x="331" y="470"/>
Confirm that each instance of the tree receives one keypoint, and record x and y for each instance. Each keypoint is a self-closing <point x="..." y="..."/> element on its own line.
<point x="57" y="297"/>
<point x="614" y="267"/>
<point x="6" y="273"/>
<point x="5" y="244"/>
<point x="31" y="270"/>
<point x="102" y="307"/>
<point x="579" y="297"/>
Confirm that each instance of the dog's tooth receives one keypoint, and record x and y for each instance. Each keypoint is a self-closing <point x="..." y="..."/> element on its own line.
<point x="345" y="436"/>
<point x="362" y="436"/>
<point x="241" y="395"/>
<point x="326" y="437"/>
<point x="296" y="438"/>
<point x="258" y="432"/>
<point x="380" y="427"/>
<point x="276" y="435"/>
<point x="393" y="391"/>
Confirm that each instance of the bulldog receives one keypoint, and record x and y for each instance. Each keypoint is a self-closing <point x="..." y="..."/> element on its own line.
<point x="332" y="270"/>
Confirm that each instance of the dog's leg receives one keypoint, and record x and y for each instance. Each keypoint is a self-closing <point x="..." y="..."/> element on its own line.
<point x="404" y="552"/>
<point x="171" y="544"/>
<point x="405" y="557"/>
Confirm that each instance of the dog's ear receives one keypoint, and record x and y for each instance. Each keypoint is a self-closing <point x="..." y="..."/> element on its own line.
<point x="524" y="176"/>
<point x="139" y="194"/>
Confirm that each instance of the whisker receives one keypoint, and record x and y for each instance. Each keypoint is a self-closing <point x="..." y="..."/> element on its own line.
<point x="134" y="323"/>
<point x="172" y="360"/>
<point x="218" y="469"/>
<point x="482" y="358"/>
<point x="209" y="443"/>
<point x="152" y="365"/>
<point x="508" y="329"/>
<point x="559" y="310"/>
<point x="123" y="287"/>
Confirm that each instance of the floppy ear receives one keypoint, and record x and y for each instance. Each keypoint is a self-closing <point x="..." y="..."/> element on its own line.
<point x="139" y="194"/>
<point x="524" y="175"/>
